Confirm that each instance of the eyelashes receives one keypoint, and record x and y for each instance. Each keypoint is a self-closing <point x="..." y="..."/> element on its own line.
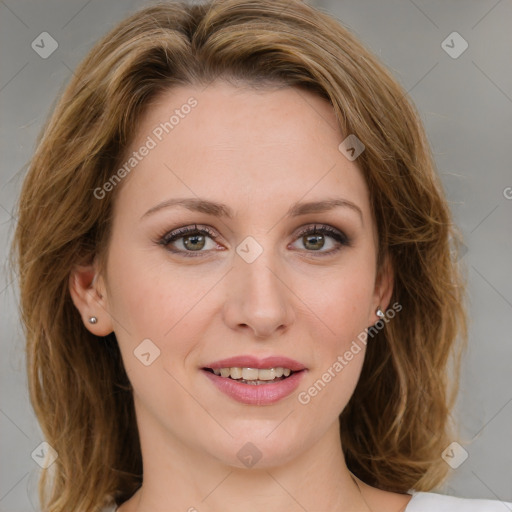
<point x="189" y="231"/>
<point x="323" y="230"/>
<point x="316" y="233"/>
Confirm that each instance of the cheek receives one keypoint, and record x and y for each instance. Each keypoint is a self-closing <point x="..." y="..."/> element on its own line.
<point x="341" y="300"/>
<point x="148" y="297"/>
<point x="153" y="322"/>
<point x="341" y="303"/>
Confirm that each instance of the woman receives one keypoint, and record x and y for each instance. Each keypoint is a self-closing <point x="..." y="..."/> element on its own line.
<point x="235" y="274"/>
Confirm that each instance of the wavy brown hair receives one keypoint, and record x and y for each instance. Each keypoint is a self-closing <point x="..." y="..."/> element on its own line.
<point x="397" y="423"/>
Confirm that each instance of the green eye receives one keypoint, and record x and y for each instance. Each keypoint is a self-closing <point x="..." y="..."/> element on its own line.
<point x="194" y="240"/>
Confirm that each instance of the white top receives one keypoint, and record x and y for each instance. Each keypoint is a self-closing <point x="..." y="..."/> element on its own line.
<point x="432" y="502"/>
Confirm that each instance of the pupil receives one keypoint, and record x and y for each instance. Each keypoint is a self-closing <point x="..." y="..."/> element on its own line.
<point x="318" y="241"/>
<point x="186" y="241"/>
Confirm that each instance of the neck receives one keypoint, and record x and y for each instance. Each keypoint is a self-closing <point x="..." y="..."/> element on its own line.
<point x="182" y="478"/>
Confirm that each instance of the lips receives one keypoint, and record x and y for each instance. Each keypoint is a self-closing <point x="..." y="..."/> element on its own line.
<point x="228" y="376"/>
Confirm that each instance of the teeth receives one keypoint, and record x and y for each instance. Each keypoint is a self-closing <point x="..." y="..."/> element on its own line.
<point x="265" y="374"/>
<point x="249" y="373"/>
<point x="235" y="373"/>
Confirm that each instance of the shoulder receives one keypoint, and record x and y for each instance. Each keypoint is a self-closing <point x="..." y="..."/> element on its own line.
<point x="432" y="502"/>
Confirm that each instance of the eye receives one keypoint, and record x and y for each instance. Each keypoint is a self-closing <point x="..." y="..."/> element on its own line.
<point x="314" y="239"/>
<point x="191" y="239"/>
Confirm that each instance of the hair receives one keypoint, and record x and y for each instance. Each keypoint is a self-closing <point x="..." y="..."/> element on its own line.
<point x="397" y="423"/>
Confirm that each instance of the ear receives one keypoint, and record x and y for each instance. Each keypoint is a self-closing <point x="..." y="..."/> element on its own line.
<point x="88" y="292"/>
<point x="383" y="289"/>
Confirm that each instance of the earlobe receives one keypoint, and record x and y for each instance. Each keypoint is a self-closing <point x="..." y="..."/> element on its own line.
<point x="383" y="289"/>
<point x="87" y="291"/>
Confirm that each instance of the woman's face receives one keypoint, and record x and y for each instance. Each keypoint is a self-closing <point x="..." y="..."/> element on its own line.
<point x="257" y="284"/>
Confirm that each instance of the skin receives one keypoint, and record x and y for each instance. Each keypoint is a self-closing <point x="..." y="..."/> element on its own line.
<point x="258" y="151"/>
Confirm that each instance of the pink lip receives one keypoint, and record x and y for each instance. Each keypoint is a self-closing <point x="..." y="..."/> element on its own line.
<point x="255" y="362"/>
<point x="263" y="394"/>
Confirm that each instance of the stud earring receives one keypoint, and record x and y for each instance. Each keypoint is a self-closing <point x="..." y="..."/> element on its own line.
<point x="93" y="320"/>
<point x="379" y="313"/>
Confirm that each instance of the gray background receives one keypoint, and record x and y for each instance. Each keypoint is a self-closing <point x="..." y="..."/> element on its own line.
<point x="466" y="105"/>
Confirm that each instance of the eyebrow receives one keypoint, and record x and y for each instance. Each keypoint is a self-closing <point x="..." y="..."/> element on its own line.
<point x="216" y="209"/>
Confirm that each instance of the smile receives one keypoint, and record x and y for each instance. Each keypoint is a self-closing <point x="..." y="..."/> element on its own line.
<point x="254" y="376"/>
<point x="254" y="390"/>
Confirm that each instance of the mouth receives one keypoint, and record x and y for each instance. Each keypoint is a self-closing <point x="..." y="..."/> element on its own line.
<point x="253" y="380"/>
<point x="255" y="386"/>
<point x="253" y="376"/>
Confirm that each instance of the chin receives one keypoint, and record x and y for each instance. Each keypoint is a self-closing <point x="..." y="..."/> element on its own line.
<point x="263" y="449"/>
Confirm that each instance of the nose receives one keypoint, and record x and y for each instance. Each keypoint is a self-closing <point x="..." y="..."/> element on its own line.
<point x="258" y="298"/>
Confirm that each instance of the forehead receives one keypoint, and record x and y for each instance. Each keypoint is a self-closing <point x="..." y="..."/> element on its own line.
<point x="240" y="145"/>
